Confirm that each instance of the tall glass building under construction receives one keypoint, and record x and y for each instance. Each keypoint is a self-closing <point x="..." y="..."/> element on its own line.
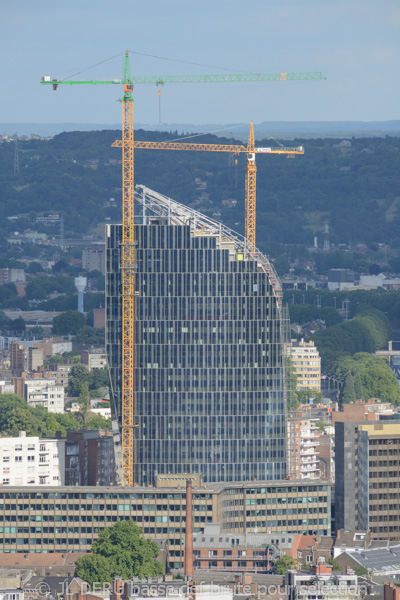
<point x="209" y="381"/>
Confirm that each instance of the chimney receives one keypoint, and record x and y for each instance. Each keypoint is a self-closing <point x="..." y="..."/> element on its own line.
<point x="189" y="532"/>
<point x="117" y="591"/>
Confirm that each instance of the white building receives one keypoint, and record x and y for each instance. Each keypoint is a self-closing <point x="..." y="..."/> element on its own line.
<point x="41" y="392"/>
<point x="32" y="461"/>
<point x="6" y="387"/>
<point x="303" y="439"/>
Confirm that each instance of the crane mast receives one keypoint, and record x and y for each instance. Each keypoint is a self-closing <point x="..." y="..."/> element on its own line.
<point x="250" y="192"/>
<point x="128" y="408"/>
<point x="128" y="287"/>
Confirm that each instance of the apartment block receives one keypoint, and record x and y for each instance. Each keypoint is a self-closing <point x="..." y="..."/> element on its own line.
<point x="35" y="359"/>
<point x="41" y="392"/>
<point x="89" y="458"/>
<point x="60" y="372"/>
<point x="12" y="276"/>
<point x="18" y="358"/>
<point x="93" y="259"/>
<point x="30" y="461"/>
<point x="306" y="363"/>
<point x="222" y="551"/>
<point x="303" y="443"/>
<point x="25" y="359"/>
<point x="68" y="519"/>
<point x="94" y="359"/>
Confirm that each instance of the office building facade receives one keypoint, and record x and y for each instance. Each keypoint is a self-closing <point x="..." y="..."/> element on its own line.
<point x="69" y="519"/>
<point x="368" y="477"/>
<point x="209" y="381"/>
<point x="379" y="479"/>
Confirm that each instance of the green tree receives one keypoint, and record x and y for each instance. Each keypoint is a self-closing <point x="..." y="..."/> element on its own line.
<point x="69" y="322"/>
<point x="91" y="335"/>
<point x="335" y="565"/>
<point x="349" y="394"/>
<point x="95" y="421"/>
<point x="322" y="426"/>
<point x="94" y="569"/>
<point x="361" y="571"/>
<point x="34" y="267"/>
<point x="284" y="563"/>
<point x="377" y="378"/>
<point x="77" y="377"/>
<point x="98" y="378"/>
<point x="358" y="390"/>
<point x="22" y="419"/>
<point x="291" y="379"/>
<point x="84" y="402"/>
<point x="4" y="321"/>
<point x="18" y="324"/>
<point x="127" y="553"/>
<point x="304" y="396"/>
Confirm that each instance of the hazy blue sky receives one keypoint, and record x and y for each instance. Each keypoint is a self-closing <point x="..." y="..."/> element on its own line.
<point x="355" y="43"/>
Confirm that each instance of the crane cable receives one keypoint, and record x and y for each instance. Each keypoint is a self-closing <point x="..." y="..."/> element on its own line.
<point x="84" y="69"/>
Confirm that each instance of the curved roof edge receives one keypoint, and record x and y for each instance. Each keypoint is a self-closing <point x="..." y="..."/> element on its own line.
<point x="180" y="214"/>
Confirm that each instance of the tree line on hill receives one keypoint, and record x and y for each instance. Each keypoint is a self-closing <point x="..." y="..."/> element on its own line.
<point x="354" y="187"/>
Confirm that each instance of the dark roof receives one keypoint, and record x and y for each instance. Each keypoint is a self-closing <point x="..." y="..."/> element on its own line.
<point x="379" y="559"/>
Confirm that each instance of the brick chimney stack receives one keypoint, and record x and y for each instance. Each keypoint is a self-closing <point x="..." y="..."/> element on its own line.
<point x="189" y="531"/>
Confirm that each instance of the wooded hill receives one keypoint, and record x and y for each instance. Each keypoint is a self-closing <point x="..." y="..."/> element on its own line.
<point x="355" y="186"/>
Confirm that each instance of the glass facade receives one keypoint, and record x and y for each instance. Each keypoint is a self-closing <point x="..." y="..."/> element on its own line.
<point x="209" y="369"/>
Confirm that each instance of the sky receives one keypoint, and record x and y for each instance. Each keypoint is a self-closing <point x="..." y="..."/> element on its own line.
<point x="354" y="43"/>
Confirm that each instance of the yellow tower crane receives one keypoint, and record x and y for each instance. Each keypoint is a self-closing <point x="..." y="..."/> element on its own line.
<point x="236" y="149"/>
<point x="127" y="143"/>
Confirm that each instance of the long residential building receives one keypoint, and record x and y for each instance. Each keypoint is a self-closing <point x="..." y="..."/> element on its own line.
<point x="68" y="519"/>
<point x="209" y="380"/>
